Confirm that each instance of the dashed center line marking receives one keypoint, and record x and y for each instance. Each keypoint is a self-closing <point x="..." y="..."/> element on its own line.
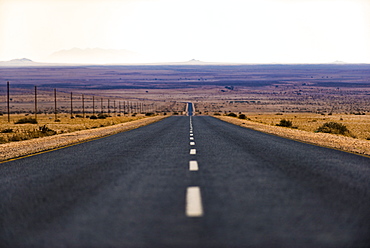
<point x="194" y="206"/>
<point x="193" y="166"/>
<point x="193" y="151"/>
<point x="191" y="134"/>
<point x="192" y="143"/>
<point x="191" y="138"/>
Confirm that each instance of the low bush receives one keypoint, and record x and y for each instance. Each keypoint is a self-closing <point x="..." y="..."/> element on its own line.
<point x="7" y="130"/>
<point x="93" y="117"/>
<point x="46" y="131"/>
<point x="333" y="127"/>
<point x="232" y="115"/>
<point x="285" y="123"/>
<point x="242" y="116"/>
<point x="216" y="114"/>
<point x="26" y="120"/>
<point x="149" y="114"/>
<point x="102" y="116"/>
<point x="42" y="131"/>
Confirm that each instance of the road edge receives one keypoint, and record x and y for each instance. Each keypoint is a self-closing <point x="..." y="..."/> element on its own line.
<point x="342" y="143"/>
<point x="16" y="150"/>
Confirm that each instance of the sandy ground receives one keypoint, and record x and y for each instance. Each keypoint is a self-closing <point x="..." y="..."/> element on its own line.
<point x="27" y="147"/>
<point x="343" y="143"/>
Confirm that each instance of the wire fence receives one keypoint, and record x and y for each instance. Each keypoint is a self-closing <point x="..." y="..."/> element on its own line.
<point x="47" y="101"/>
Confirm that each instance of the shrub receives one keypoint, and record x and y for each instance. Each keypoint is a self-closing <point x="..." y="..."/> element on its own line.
<point x="94" y="117"/>
<point x="232" y="115"/>
<point x="285" y="123"/>
<point x="26" y="120"/>
<point x="242" y="116"/>
<point x="7" y="130"/>
<point x="149" y="114"/>
<point x="333" y="127"/>
<point x="216" y="114"/>
<point x="46" y="131"/>
<point x="102" y="116"/>
<point x="31" y="134"/>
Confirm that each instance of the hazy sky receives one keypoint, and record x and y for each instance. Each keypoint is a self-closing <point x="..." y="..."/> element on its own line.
<point x="250" y="31"/>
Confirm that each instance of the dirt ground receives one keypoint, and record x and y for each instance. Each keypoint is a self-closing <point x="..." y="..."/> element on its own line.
<point x="348" y="144"/>
<point x="307" y="95"/>
<point x="32" y="146"/>
<point x="358" y="125"/>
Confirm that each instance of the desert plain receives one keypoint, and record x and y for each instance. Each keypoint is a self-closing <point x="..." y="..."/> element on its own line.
<point x="307" y="95"/>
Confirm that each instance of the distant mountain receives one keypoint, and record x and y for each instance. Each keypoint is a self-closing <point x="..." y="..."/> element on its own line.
<point x="19" y="62"/>
<point x="94" y="56"/>
<point x="24" y="60"/>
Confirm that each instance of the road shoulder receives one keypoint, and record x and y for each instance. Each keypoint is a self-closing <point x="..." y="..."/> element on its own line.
<point x="23" y="148"/>
<point x="343" y="143"/>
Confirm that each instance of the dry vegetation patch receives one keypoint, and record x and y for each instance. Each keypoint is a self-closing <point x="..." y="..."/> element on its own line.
<point x="267" y="123"/>
<point x="46" y="125"/>
<point x="26" y="147"/>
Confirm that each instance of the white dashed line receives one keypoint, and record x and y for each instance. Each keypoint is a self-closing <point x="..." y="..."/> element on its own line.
<point x="194" y="206"/>
<point x="191" y="134"/>
<point x="193" y="151"/>
<point x="193" y="166"/>
<point x="192" y="143"/>
<point x="191" y="138"/>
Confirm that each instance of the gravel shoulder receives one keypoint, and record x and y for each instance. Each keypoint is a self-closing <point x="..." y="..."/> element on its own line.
<point x="339" y="142"/>
<point x="22" y="148"/>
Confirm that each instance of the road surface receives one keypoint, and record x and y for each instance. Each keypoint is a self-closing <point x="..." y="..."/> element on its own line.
<point x="187" y="181"/>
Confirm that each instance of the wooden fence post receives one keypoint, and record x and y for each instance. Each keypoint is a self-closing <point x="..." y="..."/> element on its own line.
<point x="8" y="101"/>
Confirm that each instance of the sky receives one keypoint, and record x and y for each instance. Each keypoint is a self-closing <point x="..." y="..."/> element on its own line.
<point x="239" y="31"/>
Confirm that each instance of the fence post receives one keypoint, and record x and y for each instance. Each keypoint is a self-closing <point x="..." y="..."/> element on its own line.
<point x="55" y="105"/>
<point x="93" y="105"/>
<point x="8" y="101"/>
<point x="36" y="103"/>
<point x="83" y="106"/>
<point x="101" y="105"/>
<point x="114" y="108"/>
<point x="71" y="105"/>
<point x="108" y="108"/>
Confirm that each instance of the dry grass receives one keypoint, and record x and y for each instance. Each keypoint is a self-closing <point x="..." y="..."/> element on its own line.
<point x="358" y="125"/>
<point x="349" y="144"/>
<point x="16" y="132"/>
<point x="26" y="147"/>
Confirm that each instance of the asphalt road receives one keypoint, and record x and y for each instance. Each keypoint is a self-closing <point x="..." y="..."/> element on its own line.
<point x="151" y="187"/>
